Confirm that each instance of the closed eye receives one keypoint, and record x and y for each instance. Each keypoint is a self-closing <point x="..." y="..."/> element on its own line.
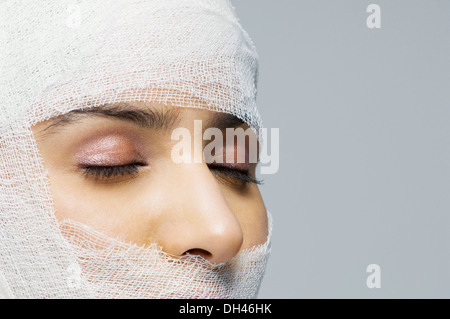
<point x="242" y="176"/>
<point x="111" y="172"/>
<point x="114" y="172"/>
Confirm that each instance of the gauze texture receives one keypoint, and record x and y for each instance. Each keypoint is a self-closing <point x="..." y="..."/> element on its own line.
<point x="114" y="269"/>
<point x="57" y="56"/>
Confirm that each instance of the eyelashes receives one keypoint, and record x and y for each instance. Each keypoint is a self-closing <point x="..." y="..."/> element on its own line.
<point x="243" y="176"/>
<point x="109" y="173"/>
<point x="128" y="171"/>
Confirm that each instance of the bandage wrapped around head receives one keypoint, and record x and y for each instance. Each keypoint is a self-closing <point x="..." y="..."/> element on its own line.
<point x="57" y="56"/>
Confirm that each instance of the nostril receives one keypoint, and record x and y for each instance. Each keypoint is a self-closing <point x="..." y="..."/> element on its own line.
<point x="198" y="252"/>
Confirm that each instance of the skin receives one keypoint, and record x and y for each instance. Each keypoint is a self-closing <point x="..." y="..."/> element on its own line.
<point x="185" y="208"/>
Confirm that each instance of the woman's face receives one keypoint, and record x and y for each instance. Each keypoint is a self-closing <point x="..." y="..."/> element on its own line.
<point x="111" y="168"/>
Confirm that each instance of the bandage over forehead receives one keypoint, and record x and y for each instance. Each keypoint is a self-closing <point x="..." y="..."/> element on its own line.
<point x="60" y="55"/>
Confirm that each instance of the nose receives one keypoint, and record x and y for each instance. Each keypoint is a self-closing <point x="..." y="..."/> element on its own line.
<point x="197" y="219"/>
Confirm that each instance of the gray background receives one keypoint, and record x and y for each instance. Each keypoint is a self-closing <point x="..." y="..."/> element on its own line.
<point x="364" y="118"/>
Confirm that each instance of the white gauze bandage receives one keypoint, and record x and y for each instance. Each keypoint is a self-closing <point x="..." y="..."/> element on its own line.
<point x="59" y="55"/>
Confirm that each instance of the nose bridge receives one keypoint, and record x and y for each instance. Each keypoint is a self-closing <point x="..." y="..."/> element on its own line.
<point x="199" y="218"/>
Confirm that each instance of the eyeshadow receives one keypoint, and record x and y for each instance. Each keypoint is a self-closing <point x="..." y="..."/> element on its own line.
<point x="109" y="148"/>
<point x="229" y="156"/>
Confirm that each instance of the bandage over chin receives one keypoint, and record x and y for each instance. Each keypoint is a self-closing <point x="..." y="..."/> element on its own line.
<point x="115" y="269"/>
<point x="59" y="55"/>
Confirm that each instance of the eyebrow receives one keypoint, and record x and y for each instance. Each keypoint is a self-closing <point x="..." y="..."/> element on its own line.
<point x="149" y="118"/>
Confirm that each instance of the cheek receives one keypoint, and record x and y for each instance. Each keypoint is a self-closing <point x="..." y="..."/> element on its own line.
<point x="108" y="211"/>
<point x="251" y="212"/>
